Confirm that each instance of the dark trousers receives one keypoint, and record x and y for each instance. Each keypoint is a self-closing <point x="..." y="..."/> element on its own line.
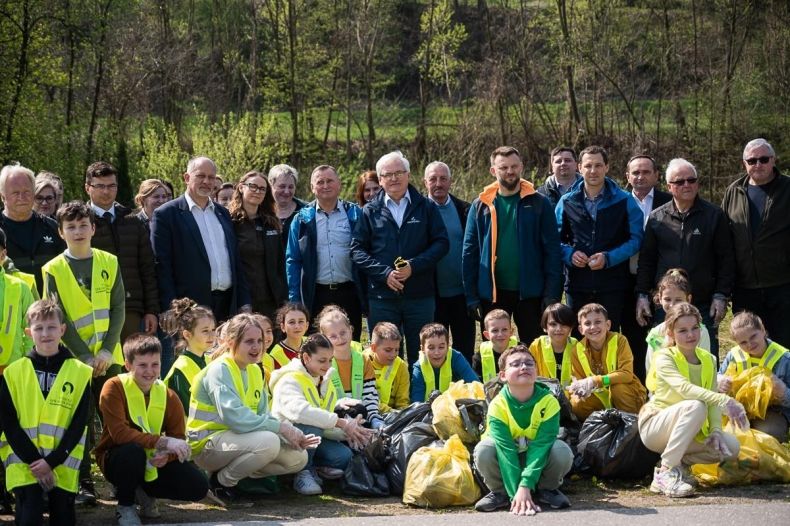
<point x="630" y="328"/>
<point x="96" y="387"/>
<point x="409" y="315"/>
<point x="344" y="295"/>
<point x="612" y="302"/>
<point x="451" y="312"/>
<point x="771" y="304"/>
<point x="220" y="304"/>
<point x="30" y="506"/>
<point x="124" y="467"/>
<point x="526" y="313"/>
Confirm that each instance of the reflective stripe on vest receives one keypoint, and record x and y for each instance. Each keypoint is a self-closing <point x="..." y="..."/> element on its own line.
<point x="445" y="374"/>
<point x="610" y="362"/>
<point x="10" y="316"/>
<point x="543" y="410"/>
<point x="187" y="366"/>
<point x="45" y="421"/>
<point x="547" y="353"/>
<point x="148" y="419"/>
<point x="773" y="353"/>
<point x="488" y="365"/>
<point x="311" y="394"/>
<point x="357" y="375"/>
<point x="204" y="421"/>
<point x="90" y="316"/>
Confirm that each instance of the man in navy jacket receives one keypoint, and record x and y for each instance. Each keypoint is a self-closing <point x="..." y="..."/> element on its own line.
<point x="397" y="243"/>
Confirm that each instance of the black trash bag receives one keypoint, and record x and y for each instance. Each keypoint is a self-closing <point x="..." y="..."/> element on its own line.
<point x="569" y="422"/>
<point x="609" y="443"/>
<point x="396" y="421"/>
<point x="378" y="453"/>
<point x="352" y="411"/>
<point x="415" y="436"/>
<point x="361" y="481"/>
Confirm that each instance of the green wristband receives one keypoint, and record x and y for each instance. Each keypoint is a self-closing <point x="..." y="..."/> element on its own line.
<point x="606" y="380"/>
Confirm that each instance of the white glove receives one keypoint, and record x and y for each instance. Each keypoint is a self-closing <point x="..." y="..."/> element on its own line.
<point x="582" y="388"/>
<point x="292" y="434"/>
<point x="643" y="313"/>
<point x="356" y="435"/>
<point x="736" y="413"/>
<point x="718" y="308"/>
<point x="176" y="446"/>
<point x="724" y="383"/>
<point x="716" y="442"/>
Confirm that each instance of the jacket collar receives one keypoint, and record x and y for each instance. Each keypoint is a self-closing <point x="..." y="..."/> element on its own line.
<point x="490" y="192"/>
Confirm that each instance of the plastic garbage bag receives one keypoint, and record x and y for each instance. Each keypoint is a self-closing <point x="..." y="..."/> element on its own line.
<point x="378" y="452"/>
<point x="569" y="422"/>
<point x="360" y="480"/>
<point x="396" y="421"/>
<point x="752" y="388"/>
<point x="402" y="446"/>
<point x="761" y="459"/>
<point x="610" y="445"/>
<point x="440" y="477"/>
<point x="460" y="410"/>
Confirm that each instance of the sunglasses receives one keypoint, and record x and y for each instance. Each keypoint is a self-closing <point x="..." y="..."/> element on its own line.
<point x="683" y="182"/>
<point x="751" y="161"/>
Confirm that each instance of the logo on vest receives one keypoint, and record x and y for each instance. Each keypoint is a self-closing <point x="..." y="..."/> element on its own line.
<point x="68" y="386"/>
<point x="257" y="394"/>
<point x="105" y="275"/>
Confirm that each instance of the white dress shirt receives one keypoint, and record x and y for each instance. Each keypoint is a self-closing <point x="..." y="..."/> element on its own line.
<point x="398" y="210"/>
<point x="214" y="242"/>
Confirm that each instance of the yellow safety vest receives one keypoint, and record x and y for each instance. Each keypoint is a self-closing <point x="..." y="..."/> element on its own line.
<point x="772" y="354"/>
<point x="547" y="353"/>
<point x="148" y="419"/>
<point x="385" y="378"/>
<point x="311" y="394"/>
<point x="708" y="373"/>
<point x="610" y="362"/>
<point x="488" y="363"/>
<point x="45" y="421"/>
<point x="204" y="421"/>
<point x="187" y="366"/>
<point x="90" y="316"/>
<point x="11" y="318"/>
<point x="357" y="375"/>
<point x="544" y="409"/>
<point x="30" y="281"/>
<point x="278" y="354"/>
<point x="445" y="374"/>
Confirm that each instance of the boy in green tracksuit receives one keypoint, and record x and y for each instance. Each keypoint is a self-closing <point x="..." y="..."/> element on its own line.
<point x="519" y="457"/>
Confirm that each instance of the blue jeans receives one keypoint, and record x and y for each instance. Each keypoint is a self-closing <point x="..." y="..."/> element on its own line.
<point x="330" y="453"/>
<point x="408" y="314"/>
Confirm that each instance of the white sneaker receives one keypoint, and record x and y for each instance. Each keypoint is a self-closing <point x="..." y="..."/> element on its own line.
<point x="149" y="509"/>
<point x="670" y="483"/>
<point x="127" y="516"/>
<point x="304" y="483"/>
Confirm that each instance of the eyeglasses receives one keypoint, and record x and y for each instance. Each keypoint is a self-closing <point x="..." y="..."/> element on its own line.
<point x="255" y="187"/>
<point x="102" y="187"/>
<point x="520" y="364"/>
<point x="751" y="161"/>
<point x="683" y="182"/>
<point x="45" y="198"/>
<point x="393" y="175"/>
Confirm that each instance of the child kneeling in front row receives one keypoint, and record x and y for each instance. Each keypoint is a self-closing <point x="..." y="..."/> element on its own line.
<point x="47" y="389"/>
<point x="519" y="457"/>
<point x="438" y="365"/>
<point x="392" y="373"/>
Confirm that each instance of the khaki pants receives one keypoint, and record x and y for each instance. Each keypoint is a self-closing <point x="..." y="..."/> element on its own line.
<point x="672" y="433"/>
<point x="257" y="454"/>
<point x="628" y="397"/>
<point x="557" y="466"/>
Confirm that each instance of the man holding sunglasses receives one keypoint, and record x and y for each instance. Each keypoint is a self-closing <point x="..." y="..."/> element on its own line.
<point x="757" y="205"/>
<point x="689" y="233"/>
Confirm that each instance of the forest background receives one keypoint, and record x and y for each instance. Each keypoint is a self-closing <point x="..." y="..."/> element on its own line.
<point x="145" y="84"/>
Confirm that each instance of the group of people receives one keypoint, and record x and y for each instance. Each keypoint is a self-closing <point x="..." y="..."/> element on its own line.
<point x="252" y="312"/>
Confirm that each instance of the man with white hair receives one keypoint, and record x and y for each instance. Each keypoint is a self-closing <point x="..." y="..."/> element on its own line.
<point x="757" y="205"/>
<point x="397" y="243"/>
<point x="32" y="238"/>
<point x="689" y="233"/>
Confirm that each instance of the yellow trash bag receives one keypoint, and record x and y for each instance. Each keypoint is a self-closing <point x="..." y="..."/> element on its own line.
<point x="460" y="410"/>
<point x="440" y="477"/>
<point x="761" y="459"/>
<point x="752" y="388"/>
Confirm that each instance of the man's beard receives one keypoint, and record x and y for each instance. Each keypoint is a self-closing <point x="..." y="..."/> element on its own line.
<point x="509" y="186"/>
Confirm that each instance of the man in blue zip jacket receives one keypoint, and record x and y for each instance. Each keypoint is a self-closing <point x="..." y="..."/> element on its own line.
<point x="318" y="256"/>
<point x="600" y="228"/>
<point x="396" y="244"/>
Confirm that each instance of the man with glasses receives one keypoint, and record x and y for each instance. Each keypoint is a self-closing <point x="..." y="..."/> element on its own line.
<point x="689" y="233"/>
<point x="397" y="244"/>
<point x="122" y="233"/>
<point x="318" y="257"/>
<point x="196" y="248"/>
<point x="757" y="205"/>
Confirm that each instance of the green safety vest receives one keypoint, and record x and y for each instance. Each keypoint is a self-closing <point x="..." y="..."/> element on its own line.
<point x="357" y="375"/>
<point x="203" y="421"/>
<point x="90" y="316"/>
<point x="30" y="281"/>
<point x="544" y="409"/>
<point x="488" y="363"/>
<point x="45" y="421"/>
<point x="610" y="362"/>
<point x="148" y="419"/>
<point x="547" y="353"/>
<point x="445" y="374"/>
<point x="311" y="394"/>
<point x="12" y="318"/>
<point x="772" y="354"/>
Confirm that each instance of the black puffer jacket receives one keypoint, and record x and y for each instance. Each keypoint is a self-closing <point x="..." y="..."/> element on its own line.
<point x="263" y="260"/>
<point x="128" y="239"/>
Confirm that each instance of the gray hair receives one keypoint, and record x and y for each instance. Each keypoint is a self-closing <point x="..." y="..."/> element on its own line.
<point x="193" y="162"/>
<point x="390" y="156"/>
<point x="437" y="164"/>
<point x="678" y="163"/>
<point x="280" y="170"/>
<point x="12" y="169"/>
<point x="757" y="143"/>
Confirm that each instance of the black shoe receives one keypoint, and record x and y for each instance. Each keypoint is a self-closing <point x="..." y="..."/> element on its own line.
<point x="553" y="498"/>
<point x="86" y="495"/>
<point x="223" y="493"/>
<point x="492" y="502"/>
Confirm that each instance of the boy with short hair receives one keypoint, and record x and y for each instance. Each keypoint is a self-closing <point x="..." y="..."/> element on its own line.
<point x="87" y="284"/>
<point x="438" y="365"/>
<point x="47" y="392"/>
<point x="519" y="457"/>
<point x="499" y="332"/>
<point x="603" y="367"/>
<point x="15" y="298"/>
<point x="392" y="373"/>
